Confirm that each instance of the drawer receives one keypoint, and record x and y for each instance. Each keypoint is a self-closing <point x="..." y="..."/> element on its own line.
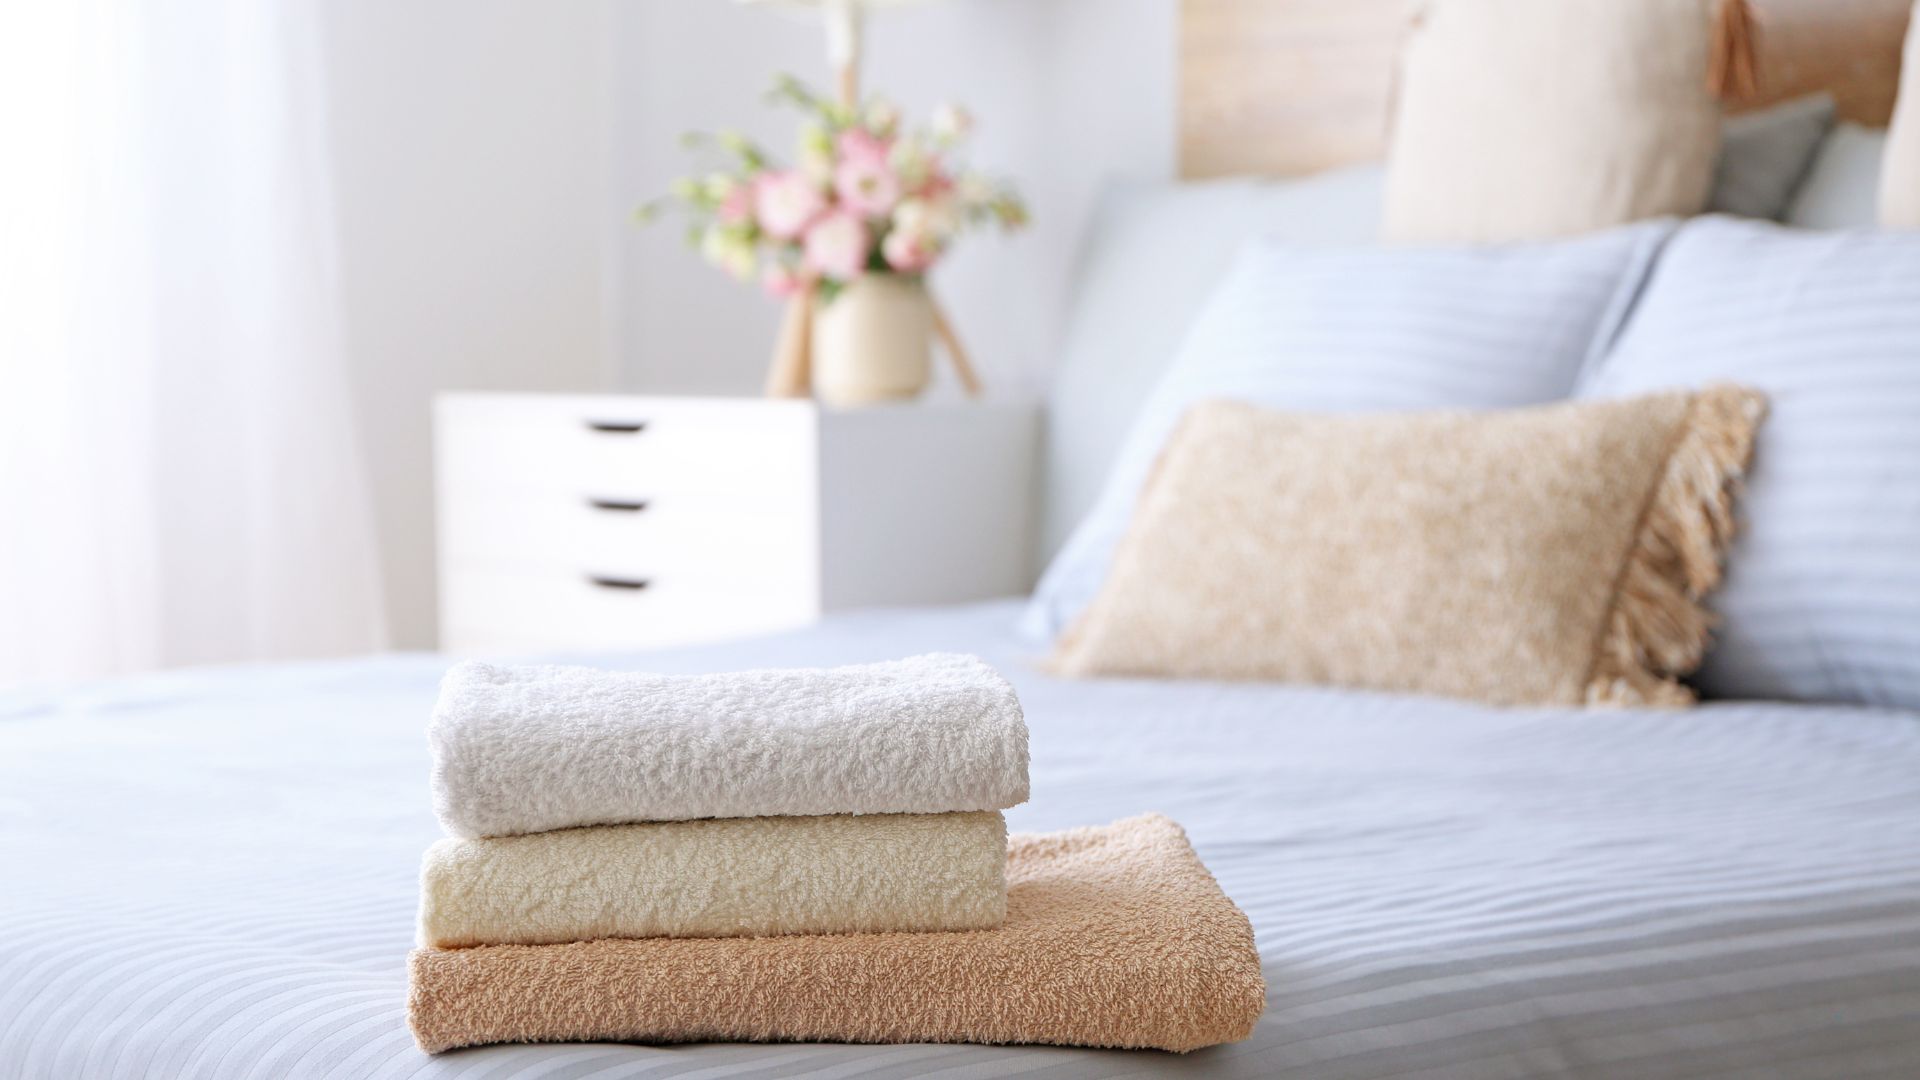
<point x="634" y="452"/>
<point x="505" y="612"/>
<point x="685" y="534"/>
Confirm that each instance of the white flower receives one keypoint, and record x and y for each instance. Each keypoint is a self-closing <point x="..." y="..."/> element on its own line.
<point x="910" y="163"/>
<point x="816" y="153"/>
<point x="883" y="117"/>
<point x="717" y="186"/>
<point x="730" y="251"/>
<point x="951" y="123"/>
<point x="837" y="247"/>
<point x="936" y="218"/>
<point x="973" y="189"/>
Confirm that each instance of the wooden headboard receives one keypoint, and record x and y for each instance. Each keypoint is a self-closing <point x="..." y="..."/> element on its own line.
<point x="1284" y="87"/>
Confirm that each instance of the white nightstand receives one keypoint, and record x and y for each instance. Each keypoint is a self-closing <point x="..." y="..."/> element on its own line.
<point x="624" y="522"/>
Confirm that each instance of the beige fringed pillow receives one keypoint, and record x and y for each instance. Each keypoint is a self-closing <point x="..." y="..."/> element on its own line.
<point x="1900" y="172"/>
<point x="1530" y="119"/>
<point x="1552" y="555"/>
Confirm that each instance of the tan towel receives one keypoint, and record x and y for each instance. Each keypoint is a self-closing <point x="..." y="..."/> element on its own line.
<point x="1115" y="936"/>
<point x="729" y="876"/>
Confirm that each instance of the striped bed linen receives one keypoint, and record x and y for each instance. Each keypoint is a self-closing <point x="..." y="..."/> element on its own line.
<point x="1822" y="594"/>
<point x="213" y="874"/>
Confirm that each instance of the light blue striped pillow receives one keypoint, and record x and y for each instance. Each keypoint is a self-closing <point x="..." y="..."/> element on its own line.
<point x="1362" y="328"/>
<point x="1822" y="593"/>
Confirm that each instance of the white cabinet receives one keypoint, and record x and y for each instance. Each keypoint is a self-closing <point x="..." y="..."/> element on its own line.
<point x="585" y="522"/>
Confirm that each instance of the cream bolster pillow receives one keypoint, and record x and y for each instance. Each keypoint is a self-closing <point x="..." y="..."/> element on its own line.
<point x="1900" y="174"/>
<point x="1526" y="120"/>
<point x="1115" y="936"/>
<point x="1549" y="555"/>
<point x="873" y="873"/>
<point x="522" y="750"/>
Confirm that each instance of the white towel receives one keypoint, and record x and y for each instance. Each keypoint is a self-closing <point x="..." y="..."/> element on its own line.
<point x="520" y="750"/>
<point x="728" y="877"/>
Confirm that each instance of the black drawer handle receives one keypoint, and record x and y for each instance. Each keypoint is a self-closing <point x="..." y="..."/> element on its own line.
<point x="618" y="427"/>
<point x="631" y="506"/>
<point x="630" y="584"/>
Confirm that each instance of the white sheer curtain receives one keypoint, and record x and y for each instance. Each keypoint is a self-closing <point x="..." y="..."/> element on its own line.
<point x="179" y="476"/>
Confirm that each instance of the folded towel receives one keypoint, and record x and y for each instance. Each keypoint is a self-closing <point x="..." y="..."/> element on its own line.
<point x="521" y="750"/>
<point x="718" y="878"/>
<point x="1115" y="936"/>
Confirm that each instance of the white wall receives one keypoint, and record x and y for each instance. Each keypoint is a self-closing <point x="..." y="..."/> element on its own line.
<point x="470" y="145"/>
<point x="488" y="154"/>
<point x="1068" y="94"/>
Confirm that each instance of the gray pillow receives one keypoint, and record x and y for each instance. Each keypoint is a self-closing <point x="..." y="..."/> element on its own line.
<point x="1350" y="328"/>
<point x="1822" y="594"/>
<point x="1765" y="155"/>
<point x="1842" y="190"/>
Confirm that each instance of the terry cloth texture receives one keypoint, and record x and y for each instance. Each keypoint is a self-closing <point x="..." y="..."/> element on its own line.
<point x="522" y="750"/>
<point x="1115" y="936"/>
<point x="719" y="878"/>
<point x="1556" y="555"/>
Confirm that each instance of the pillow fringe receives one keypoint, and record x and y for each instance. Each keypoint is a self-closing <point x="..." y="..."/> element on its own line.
<point x="1658" y="628"/>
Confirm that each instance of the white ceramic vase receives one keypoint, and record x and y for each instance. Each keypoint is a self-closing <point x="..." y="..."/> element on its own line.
<point x="873" y="342"/>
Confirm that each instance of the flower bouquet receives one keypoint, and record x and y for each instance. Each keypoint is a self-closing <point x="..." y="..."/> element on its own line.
<point x="851" y="227"/>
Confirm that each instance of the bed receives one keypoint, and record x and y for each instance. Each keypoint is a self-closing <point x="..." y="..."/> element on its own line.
<point x="213" y="873"/>
<point x="1436" y="888"/>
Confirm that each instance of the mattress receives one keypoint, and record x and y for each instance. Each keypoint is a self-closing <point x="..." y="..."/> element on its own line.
<point x="212" y="873"/>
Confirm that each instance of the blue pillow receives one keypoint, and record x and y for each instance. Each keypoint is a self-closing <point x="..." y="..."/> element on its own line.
<point x="1822" y="593"/>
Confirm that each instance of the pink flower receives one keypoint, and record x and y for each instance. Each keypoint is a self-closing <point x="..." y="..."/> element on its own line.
<point x="781" y="281"/>
<point x="866" y="186"/>
<point x="864" y="180"/>
<point x="857" y="144"/>
<point x="939" y="184"/>
<point x="909" y="251"/>
<point x="737" y="207"/>
<point x="786" y="203"/>
<point x="837" y="246"/>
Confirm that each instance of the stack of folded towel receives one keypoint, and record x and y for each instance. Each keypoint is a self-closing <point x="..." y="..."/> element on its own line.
<point x="863" y="799"/>
<point x="803" y="854"/>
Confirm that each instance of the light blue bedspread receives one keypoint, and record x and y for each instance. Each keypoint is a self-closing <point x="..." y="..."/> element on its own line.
<point x="212" y="874"/>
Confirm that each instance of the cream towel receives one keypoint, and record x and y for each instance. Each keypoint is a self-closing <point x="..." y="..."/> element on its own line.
<point x="1115" y="936"/>
<point x="718" y="878"/>
<point x="523" y="750"/>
